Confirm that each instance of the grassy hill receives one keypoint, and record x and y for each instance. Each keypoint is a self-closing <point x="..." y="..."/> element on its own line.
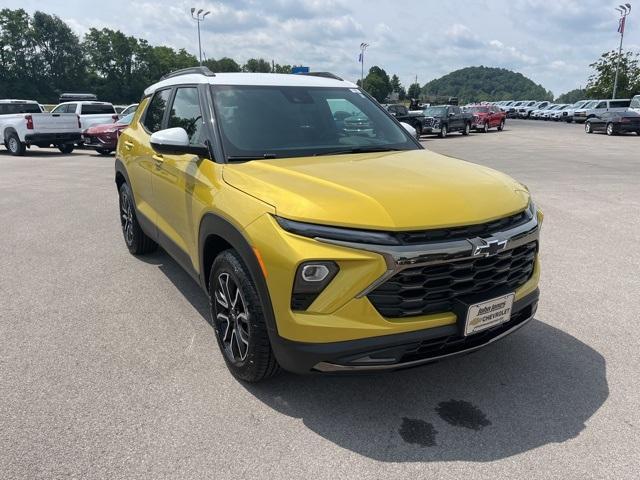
<point x="477" y="84"/>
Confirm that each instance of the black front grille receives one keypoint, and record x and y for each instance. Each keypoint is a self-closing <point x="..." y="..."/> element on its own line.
<point x="462" y="233"/>
<point x="435" y="288"/>
<point x="428" y="122"/>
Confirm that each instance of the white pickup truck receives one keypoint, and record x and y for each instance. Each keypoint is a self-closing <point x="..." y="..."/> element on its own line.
<point x="22" y="124"/>
<point x="90" y="113"/>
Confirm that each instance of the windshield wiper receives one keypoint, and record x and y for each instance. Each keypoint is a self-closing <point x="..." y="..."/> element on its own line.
<point x="242" y="158"/>
<point x="359" y="150"/>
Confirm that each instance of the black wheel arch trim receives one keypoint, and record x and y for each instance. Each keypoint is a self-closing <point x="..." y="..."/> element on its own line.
<point x="213" y="224"/>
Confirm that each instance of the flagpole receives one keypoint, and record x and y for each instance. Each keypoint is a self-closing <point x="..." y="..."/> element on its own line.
<point x="363" y="47"/>
<point x="624" y="11"/>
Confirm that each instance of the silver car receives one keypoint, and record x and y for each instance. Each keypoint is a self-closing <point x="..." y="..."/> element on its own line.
<point x="615" y="105"/>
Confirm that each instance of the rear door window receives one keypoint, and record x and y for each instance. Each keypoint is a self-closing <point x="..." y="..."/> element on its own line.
<point x="619" y="103"/>
<point x="155" y="111"/>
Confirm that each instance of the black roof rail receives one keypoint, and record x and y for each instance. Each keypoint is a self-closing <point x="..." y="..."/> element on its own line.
<point x="321" y="74"/>
<point x="202" y="70"/>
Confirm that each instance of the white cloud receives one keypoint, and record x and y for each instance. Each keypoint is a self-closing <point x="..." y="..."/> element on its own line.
<point x="551" y="42"/>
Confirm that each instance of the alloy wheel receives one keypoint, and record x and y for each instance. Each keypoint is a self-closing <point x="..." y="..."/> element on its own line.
<point x="232" y="318"/>
<point x="610" y="129"/>
<point x="126" y="217"/>
<point x="13" y="144"/>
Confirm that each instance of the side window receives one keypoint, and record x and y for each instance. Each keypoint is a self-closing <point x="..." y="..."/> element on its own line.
<point x="71" y="108"/>
<point x="60" y="109"/>
<point x="602" y="105"/>
<point x="155" y="111"/>
<point x="185" y="113"/>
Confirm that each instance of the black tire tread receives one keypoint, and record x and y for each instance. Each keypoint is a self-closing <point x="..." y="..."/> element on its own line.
<point x="142" y="244"/>
<point x="264" y="364"/>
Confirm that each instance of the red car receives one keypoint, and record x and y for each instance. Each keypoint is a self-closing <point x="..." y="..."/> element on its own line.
<point x="486" y="117"/>
<point x="104" y="138"/>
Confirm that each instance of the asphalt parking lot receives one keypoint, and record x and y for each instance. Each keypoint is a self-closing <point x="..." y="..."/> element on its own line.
<point x="109" y="369"/>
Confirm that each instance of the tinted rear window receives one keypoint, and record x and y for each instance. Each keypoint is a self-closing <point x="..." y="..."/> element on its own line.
<point x="11" y="108"/>
<point x="619" y="103"/>
<point x="97" y="108"/>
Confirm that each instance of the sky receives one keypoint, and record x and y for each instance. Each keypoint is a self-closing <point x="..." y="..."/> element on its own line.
<point x="550" y="41"/>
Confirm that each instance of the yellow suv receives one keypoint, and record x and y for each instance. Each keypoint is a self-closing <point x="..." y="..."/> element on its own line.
<point x="326" y="237"/>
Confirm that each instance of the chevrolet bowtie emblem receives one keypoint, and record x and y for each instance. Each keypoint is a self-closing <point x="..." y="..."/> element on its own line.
<point x="488" y="247"/>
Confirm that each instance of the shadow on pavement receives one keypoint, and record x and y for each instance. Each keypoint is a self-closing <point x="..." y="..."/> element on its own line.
<point x="536" y="387"/>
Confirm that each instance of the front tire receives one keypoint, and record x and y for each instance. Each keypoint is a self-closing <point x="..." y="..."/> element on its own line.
<point x="485" y="127"/>
<point x="418" y="129"/>
<point x="588" y="128"/>
<point x="136" y="240"/>
<point x="443" y="131"/>
<point x="501" y="126"/>
<point x="66" y="148"/>
<point x="467" y="129"/>
<point x="238" y="319"/>
<point x="15" y="146"/>
<point x="103" y="151"/>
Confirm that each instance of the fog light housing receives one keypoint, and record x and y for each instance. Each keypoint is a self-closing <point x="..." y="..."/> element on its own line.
<point x="311" y="279"/>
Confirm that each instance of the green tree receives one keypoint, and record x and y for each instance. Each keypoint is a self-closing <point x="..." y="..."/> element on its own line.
<point x="259" y="65"/>
<point x="60" y="65"/>
<point x="377" y="83"/>
<point x="17" y="51"/>
<point x="600" y="83"/>
<point x="225" y="64"/>
<point x="573" y="96"/>
<point x="414" y="90"/>
<point x="281" y="68"/>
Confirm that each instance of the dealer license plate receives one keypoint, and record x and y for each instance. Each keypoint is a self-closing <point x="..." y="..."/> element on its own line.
<point x="483" y="315"/>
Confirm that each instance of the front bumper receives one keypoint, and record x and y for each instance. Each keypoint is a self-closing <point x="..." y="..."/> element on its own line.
<point x="394" y="352"/>
<point x="51" y="138"/>
<point x="96" y="141"/>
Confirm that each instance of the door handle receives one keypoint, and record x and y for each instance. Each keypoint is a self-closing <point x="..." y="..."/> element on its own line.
<point x="128" y="145"/>
<point x="159" y="159"/>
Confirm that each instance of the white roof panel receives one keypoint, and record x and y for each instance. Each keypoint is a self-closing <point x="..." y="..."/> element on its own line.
<point x="262" y="79"/>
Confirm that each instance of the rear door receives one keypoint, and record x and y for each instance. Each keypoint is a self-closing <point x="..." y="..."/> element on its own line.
<point x="135" y="151"/>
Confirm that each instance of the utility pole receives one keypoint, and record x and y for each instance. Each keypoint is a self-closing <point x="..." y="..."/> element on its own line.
<point x="198" y="18"/>
<point x="363" y="47"/>
<point x="624" y="11"/>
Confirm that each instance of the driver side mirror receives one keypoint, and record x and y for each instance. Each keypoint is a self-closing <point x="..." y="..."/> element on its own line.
<point x="451" y="114"/>
<point x="175" y="141"/>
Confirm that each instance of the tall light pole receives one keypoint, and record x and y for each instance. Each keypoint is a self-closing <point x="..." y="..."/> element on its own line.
<point x="623" y="10"/>
<point x="199" y="17"/>
<point x="363" y="47"/>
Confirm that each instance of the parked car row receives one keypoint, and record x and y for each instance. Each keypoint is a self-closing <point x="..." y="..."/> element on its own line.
<point x="577" y="112"/>
<point x="24" y="123"/>
<point x="441" y="120"/>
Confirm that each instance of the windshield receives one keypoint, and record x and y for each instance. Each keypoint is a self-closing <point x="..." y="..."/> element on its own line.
<point x="590" y="104"/>
<point x="435" y="111"/>
<point x="281" y="121"/>
<point x="126" y="120"/>
<point x="478" y="109"/>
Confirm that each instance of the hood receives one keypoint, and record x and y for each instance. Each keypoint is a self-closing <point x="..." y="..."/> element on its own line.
<point x="409" y="190"/>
